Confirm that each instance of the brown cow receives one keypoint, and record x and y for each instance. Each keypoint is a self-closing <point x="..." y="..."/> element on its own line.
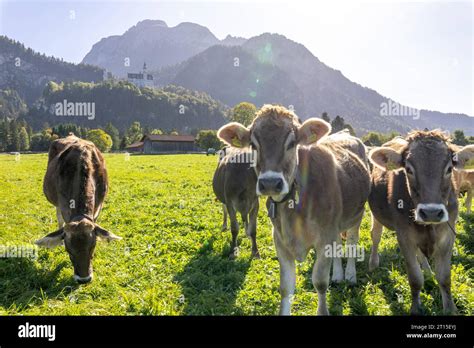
<point x="234" y="184"/>
<point x="317" y="187"/>
<point x="412" y="193"/>
<point x="76" y="183"/>
<point x="464" y="183"/>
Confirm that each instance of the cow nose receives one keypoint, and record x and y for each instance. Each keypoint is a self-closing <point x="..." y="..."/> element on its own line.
<point x="82" y="280"/>
<point x="270" y="185"/>
<point x="431" y="214"/>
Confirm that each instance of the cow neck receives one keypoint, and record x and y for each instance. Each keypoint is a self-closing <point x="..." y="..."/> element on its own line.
<point x="292" y="193"/>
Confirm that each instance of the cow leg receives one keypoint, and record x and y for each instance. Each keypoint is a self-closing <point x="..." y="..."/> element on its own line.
<point x="337" y="271"/>
<point x="252" y="230"/>
<point x="425" y="265"/>
<point x="442" y="260"/>
<point x="59" y="216"/>
<point x="351" y="247"/>
<point x="224" y="223"/>
<point x="415" y="275"/>
<point x="376" y="234"/>
<point x="469" y="200"/>
<point x="287" y="275"/>
<point x="234" y="229"/>
<point x="320" y="277"/>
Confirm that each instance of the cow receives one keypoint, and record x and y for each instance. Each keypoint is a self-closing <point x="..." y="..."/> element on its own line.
<point x="76" y="184"/>
<point x="234" y="185"/>
<point x="412" y="193"/>
<point x="464" y="183"/>
<point x="316" y="186"/>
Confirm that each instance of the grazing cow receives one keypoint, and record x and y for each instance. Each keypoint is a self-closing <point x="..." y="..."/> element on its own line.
<point x="234" y="185"/>
<point x="412" y="193"/>
<point x="317" y="187"/>
<point x="76" y="183"/>
<point x="464" y="183"/>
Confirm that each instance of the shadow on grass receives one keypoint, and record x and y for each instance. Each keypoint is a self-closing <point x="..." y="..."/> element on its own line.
<point x="23" y="284"/>
<point x="348" y="295"/>
<point x="210" y="282"/>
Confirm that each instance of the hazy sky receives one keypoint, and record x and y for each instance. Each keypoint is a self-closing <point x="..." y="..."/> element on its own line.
<point x="417" y="53"/>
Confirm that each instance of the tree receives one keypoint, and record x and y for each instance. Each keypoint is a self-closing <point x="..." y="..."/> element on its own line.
<point x="378" y="139"/>
<point x="23" y="140"/>
<point x="244" y="113"/>
<point x="134" y="133"/>
<point x="372" y="139"/>
<point x="208" y="138"/>
<point x="4" y="134"/>
<point x="337" y="124"/>
<point x="114" y="135"/>
<point x="459" y="138"/>
<point x="42" y="141"/>
<point x="124" y="142"/>
<point x="14" y="143"/>
<point x="325" y="117"/>
<point x="102" y="140"/>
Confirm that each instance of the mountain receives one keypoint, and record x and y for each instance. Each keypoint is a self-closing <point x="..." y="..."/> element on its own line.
<point x="27" y="72"/>
<point x="289" y="74"/>
<point x="233" y="41"/>
<point x="231" y="75"/>
<point x="151" y="42"/>
<point x="328" y="90"/>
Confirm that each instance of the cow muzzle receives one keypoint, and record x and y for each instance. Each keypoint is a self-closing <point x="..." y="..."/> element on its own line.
<point x="83" y="280"/>
<point x="431" y="213"/>
<point x="271" y="184"/>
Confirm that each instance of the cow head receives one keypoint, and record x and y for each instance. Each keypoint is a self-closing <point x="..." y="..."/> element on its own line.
<point x="274" y="135"/>
<point x="79" y="237"/>
<point x="428" y="159"/>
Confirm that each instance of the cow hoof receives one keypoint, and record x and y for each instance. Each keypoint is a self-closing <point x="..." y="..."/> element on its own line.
<point x="337" y="279"/>
<point x="416" y="310"/>
<point x="351" y="279"/>
<point x="323" y="311"/>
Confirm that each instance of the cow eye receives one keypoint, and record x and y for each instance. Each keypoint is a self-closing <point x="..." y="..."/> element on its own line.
<point x="449" y="170"/>
<point x="409" y="170"/>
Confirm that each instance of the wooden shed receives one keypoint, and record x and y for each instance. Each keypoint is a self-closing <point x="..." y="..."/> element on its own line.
<point x="159" y="143"/>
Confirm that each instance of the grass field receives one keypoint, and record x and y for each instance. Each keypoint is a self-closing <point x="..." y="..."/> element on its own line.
<point x="172" y="259"/>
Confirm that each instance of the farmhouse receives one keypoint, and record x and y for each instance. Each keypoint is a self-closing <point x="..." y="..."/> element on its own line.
<point x="158" y="143"/>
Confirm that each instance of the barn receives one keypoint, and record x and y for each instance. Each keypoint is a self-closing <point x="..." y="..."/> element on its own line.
<point x="160" y="143"/>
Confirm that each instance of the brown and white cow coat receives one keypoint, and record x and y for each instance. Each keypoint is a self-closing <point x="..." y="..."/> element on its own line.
<point x="76" y="183"/>
<point x="412" y="192"/>
<point x="328" y="175"/>
<point x="234" y="185"/>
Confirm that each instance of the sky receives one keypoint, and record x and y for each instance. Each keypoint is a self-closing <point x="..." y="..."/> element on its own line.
<point x="417" y="53"/>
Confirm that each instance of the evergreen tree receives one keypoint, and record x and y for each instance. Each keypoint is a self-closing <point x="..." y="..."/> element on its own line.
<point x="114" y="135"/>
<point x="23" y="140"/>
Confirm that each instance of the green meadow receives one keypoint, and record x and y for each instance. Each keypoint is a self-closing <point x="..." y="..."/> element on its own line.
<point x="173" y="256"/>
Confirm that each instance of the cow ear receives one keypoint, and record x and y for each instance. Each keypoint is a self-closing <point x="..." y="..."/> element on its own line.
<point x="312" y="130"/>
<point x="104" y="234"/>
<point x="234" y="134"/>
<point x="463" y="156"/>
<point x="51" y="240"/>
<point x="385" y="158"/>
